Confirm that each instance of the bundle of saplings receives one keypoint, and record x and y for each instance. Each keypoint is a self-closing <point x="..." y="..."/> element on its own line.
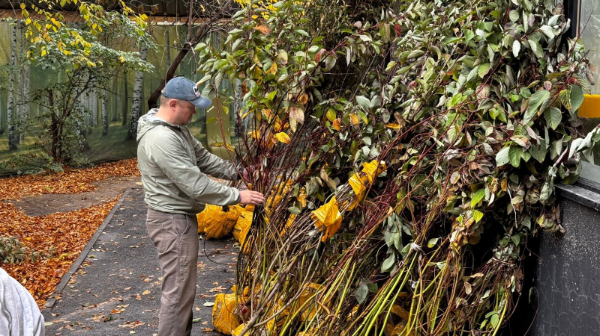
<point x="409" y="151"/>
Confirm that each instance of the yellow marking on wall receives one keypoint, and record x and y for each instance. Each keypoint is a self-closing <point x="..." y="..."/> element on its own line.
<point x="590" y="107"/>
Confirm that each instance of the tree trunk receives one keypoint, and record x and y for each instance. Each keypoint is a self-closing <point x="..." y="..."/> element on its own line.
<point x="80" y="126"/>
<point x="105" y="113"/>
<point x="25" y="109"/>
<point x="56" y="149"/>
<point x="125" y="99"/>
<point x="12" y="144"/>
<point x="136" y="103"/>
<point x="94" y="104"/>
<point x="115" y="98"/>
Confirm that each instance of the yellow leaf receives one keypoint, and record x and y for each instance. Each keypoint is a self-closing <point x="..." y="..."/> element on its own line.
<point x="393" y="126"/>
<point x="303" y="99"/>
<point x="283" y="137"/>
<point x="22" y="6"/>
<point x="331" y="115"/>
<point x="354" y="119"/>
<point x="272" y="70"/>
<point x="268" y="113"/>
<point x="44" y="52"/>
<point x="337" y="125"/>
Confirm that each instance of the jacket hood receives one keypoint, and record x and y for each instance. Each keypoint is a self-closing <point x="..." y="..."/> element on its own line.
<point x="148" y="121"/>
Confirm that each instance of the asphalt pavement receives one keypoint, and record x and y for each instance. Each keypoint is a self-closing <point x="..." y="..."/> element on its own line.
<point x="114" y="288"/>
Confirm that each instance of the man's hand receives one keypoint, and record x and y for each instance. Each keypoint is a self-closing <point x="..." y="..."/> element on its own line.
<point x="251" y="197"/>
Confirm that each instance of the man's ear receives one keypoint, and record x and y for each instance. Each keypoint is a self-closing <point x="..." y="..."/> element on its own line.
<point x="172" y="103"/>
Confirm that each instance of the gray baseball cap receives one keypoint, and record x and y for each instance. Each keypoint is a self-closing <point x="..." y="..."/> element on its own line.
<point x="184" y="89"/>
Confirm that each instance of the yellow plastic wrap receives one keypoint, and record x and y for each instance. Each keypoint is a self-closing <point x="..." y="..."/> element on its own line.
<point x="217" y="221"/>
<point x="307" y="303"/>
<point x="239" y="329"/>
<point x="277" y="195"/>
<point x="329" y="218"/>
<point x="361" y="180"/>
<point x="289" y="223"/>
<point x="242" y="226"/>
<point x="210" y="211"/>
<point x="223" y="314"/>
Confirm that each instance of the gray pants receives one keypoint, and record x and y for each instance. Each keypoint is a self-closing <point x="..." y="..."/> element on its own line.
<point x="176" y="239"/>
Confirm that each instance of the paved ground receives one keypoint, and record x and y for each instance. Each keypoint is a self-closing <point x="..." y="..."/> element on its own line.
<point x="116" y="291"/>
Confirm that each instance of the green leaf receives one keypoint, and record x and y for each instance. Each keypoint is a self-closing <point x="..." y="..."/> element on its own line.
<point x="536" y="100"/>
<point x="547" y="30"/>
<point x="388" y="263"/>
<point x="536" y="48"/>
<point x="538" y="153"/>
<point x="514" y="16"/>
<point x="205" y="79"/>
<point x="516" y="48"/>
<point x="363" y="102"/>
<point x="483" y="69"/>
<point x="390" y="66"/>
<point x="494" y="320"/>
<point x="469" y="35"/>
<point x="282" y="56"/>
<point x="432" y="242"/>
<point x="415" y="54"/>
<point x="302" y="32"/>
<point x="331" y="115"/>
<point x="477" y="197"/>
<point x="271" y="95"/>
<point x="502" y="157"/>
<point x="361" y="293"/>
<point x="576" y="97"/>
<point x="365" y="38"/>
<point x="514" y="155"/>
<point x="553" y="117"/>
<point x="294" y="210"/>
<point x="477" y="216"/>
<point x="330" y="62"/>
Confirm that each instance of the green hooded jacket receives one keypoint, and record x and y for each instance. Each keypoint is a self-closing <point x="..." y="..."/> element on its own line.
<point x="174" y="167"/>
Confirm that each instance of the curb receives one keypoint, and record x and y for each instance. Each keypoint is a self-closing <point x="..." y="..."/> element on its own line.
<point x="77" y="263"/>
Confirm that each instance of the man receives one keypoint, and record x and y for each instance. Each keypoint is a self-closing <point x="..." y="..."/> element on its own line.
<point x="19" y="314"/>
<point x="174" y="165"/>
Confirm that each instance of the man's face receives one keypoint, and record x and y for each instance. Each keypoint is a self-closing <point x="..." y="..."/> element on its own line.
<point x="184" y="110"/>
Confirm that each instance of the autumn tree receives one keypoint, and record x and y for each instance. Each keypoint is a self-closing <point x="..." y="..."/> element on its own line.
<point x="78" y="63"/>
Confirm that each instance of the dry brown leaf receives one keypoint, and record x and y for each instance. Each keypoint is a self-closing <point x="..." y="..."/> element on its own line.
<point x="263" y="29"/>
